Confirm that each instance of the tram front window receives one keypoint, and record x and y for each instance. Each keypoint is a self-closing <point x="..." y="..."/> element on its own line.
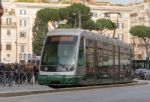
<point x="59" y="54"/>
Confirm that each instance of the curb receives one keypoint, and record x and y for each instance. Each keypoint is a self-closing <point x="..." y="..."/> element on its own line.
<point x="13" y="94"/>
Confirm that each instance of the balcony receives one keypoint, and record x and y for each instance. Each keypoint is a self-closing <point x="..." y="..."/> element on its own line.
<point x="9" y="25"/>
<point x="10" y="13"/>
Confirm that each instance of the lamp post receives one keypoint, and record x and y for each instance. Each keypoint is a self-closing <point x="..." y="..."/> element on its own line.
<point x="1" y="13"/>
<point x="79" y="16"/>
<point x="75" y="21"/>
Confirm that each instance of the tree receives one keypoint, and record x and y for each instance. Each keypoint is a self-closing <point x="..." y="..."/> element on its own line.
<point x="78" y="14"/>
<point x="39" y="31"/>
<point x="43" y="17"/>
<point x="64" y="13"/>
<point x="90" y="24"/>
<point x="143" y="33"/>
<point x="75" y="15"/>
<point x="103" y="25"/>
<point x="49" y="15"/>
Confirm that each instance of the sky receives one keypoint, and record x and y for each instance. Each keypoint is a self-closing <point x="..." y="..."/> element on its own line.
<point x="123" y="1"/>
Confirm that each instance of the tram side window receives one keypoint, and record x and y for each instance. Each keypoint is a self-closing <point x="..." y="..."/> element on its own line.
<point x="81" y="60"/>
<point x="129" y="65"/>
<point x="122" y="64"/>
<point x="104" y="68"/>
<point x="90" y="56"/>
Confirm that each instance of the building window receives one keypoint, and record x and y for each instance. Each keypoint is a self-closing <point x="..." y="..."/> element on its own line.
<point x="120" y="15"/>
<point x="23" y="23"/>
<point x="22" y="48"/>
<point x="8" y="21"/>
<point x="24" y="56"/>
<point x="8" y="55"/>
<point x="20" y="56"/>
<point x="22" y="12"/>
<point x="120" y="26"/>
<point x="5" y="10"/>
<point x="120" y="36"/>
<point x="94" y="14"/>
<point x="22" y="34"/>
<point x="8" y="32"/>
<point x="29" y="57"/>
<point x="8" y="47"/>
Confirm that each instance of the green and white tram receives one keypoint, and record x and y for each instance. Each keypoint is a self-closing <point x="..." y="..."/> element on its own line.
<point x="81" y="57"/>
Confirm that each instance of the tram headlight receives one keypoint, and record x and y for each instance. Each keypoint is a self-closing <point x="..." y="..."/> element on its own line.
<point x="46" y="69"/>
<point x="70" y="68"/>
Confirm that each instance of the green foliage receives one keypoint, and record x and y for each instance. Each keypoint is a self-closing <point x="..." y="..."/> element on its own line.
<point x="90" y="24"/>
<point x="75" y="11"/>
<point x="143" y="33"/>
<point x="64" y="26"/>
<point x="140" y="31"/>
<point x="48" y="14"/>
<point x="64" y="13"/>
<point x="105" y="24"/>
<point x="39" y="31"/>
<point x="37" y="44"/>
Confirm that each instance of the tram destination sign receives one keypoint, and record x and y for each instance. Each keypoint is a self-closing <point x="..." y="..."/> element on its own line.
<point x="62" y="38"/>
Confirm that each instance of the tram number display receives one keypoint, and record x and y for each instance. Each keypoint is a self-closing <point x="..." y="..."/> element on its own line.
<point x="62" y="38"/>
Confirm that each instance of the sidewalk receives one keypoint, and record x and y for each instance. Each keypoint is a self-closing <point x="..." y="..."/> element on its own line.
<point x="16" y="90"/>
<point x="38" y="89"/>
<point x="142" y="81"/>
<point x="20" y="88"/>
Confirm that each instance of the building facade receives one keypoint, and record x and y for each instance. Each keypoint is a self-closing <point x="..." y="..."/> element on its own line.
<point x="16" y="34"/>
<point x="19" y="18"/>
<point x="118" y="14"/>
<point x="17" y="24"/>
<point x="140" y="15"/>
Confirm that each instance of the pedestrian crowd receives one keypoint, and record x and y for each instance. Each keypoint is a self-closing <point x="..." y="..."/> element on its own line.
<point x="15" y="73"/>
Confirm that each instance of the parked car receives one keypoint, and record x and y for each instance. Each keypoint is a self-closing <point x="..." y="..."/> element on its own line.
<point x="140" y="73"/>
<point x="147" y="75"/>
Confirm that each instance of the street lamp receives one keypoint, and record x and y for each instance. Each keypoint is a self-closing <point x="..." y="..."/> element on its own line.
<point x="79" y="16"/>
<point x="1" y="13"/>
<point x="75" y="21"/>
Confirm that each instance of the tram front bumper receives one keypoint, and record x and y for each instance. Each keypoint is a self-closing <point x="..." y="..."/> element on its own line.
<point x="57" y="80"/>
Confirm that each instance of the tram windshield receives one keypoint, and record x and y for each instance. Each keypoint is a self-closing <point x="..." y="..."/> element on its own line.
<point x="60" y="50"/>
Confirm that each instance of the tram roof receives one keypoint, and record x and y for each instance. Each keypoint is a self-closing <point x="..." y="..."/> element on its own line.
<point x="65" y="32"/>
<point x="89" y="35"/>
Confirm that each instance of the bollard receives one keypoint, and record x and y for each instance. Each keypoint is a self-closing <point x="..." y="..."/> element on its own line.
<point x="33" y="79"/>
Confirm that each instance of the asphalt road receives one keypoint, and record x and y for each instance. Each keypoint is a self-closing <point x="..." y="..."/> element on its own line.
<point x="138" y="93"/>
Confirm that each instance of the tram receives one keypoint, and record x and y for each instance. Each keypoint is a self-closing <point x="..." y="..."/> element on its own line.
<point x="81" y="57"/>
